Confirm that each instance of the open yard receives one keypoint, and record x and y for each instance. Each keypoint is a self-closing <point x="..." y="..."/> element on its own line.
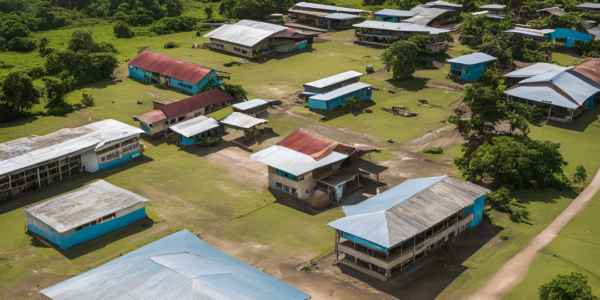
<point x="211" y="191"/>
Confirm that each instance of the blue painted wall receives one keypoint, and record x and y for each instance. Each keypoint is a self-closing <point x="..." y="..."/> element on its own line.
<point x="125" y="159"/>
<point x="570" y="35"/>
<point x="184" y="85"/>
<point x="476" y="209"/>
<point x="386" y="18"/>
<point x="145" y="128"/>
<point x="328" y="105"/>
<point x="139" y="73"/>
<point x="362" y="241"/>
<point x="471" y="72"/>
<point x="590" y="102"/>
<point x="187" y="141"/>
<point x="287" y="175"/>
<point x="68" y="240"/>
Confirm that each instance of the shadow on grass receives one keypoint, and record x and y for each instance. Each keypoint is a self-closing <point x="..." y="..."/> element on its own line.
<point x="413" y="85"/>
<point x="154" y="84"/>
<point x="426" y="278"/>
<point x="66" y="186"/>
<point x="95" y="243"/>
<point x="19" y="122"/>
<point x="580" y="124"/>
<point x="230" y="140"/>
<point x="340" y="112"/>
<point x="547" y="195"/>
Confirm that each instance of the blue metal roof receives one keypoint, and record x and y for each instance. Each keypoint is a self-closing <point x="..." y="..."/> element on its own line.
<point x="180" y="266"/>
<point x="341" y="91"/>
<point x="472" y="59"/>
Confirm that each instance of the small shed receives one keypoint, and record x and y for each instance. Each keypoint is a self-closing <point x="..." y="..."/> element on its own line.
<point x="256" y="107"/>
<point x="246" y="123"/>
<point x="336" y="98"/>
<point x="470" y="67"/>
<point x="188" y="132"/>
<point x="82" y="215"/>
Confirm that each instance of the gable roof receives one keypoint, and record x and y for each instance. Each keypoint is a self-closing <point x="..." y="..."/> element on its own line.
<point x="170" y="66"/>
<point x="425" y="14"/>
<point x="250" y="104"/>
<point x="396" y="13"/>
<point x="151" y="117"/>
<point x="195" y="126"/>
<point x="534" y="70"/>
<point x="294" y="162"/>
<point x="195" y="102"/>
<point x="330" y="8"/>
<point x="179" y="266"/>
<point x="492" y="6"/>
<point x="578" y="90"/>
<point x="337" y="78"/>
<point x="311" y="144"/>
<point x="408" y="209"/>
<point x="472" y="59"/>
<point x="443" y="3"/>
<point x="341" y="91"/>
<point x="589" y="69"/>
<point x="243" y="121"/>
<point x="553" y="10"/>
<point x="90" y="203"/>
<point x="530" y="32"/>
<point x="249" y="33"/>
<point x="402" y="27"/>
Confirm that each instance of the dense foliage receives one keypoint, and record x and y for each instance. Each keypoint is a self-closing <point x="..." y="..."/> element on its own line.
<point x="258" y="9"/>
<point x="122" y="30"/>
<point x="351" y="104"/>
<point x="567" y="287"/>
<point x="18" y="92"/>
<point x="501" y="201"/>
<point x="15" y="35"/>
<point x="402" y="56"/>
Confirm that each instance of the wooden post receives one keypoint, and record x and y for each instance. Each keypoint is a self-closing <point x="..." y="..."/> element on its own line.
<point x="401" y="259"/>
<point x="414" y="247"/>
<point x="456" y="228"/>
<point x="337" y="240"/>
<point x="425" y="242"/>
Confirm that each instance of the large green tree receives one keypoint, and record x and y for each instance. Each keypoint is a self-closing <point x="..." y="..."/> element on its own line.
<point x="18" y="92"/>
<point x="573" y="286"/>
<point x="402" y="56"/>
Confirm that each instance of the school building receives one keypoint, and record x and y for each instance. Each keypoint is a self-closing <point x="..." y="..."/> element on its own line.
<point x="558" y="36"/>
<point x="331" y="92"/>
<point x="470" y="67"/>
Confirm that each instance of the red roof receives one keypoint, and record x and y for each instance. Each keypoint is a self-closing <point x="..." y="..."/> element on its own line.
<point x="314" y="145"/>
<point x="195" y="102"/>
<point x="170" y="66"/>
<point x="590" y="69"/>
<point x="151" y="117"/>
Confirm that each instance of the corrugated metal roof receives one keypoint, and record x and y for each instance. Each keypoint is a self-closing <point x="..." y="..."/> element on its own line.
<point x="151" y="117"/>
<point x="576" y="88"/>
<point x="589" y="5"/>
<point x="170" y="66"/>
<point x="310" y="13"/>
<point x="407" y="209"/>
<point x="243" y="121"/>
<point x="492" y="6"/>
<point x="294" y="162"/>
<point x="309" y="143"/>
<point x="443" y="3"/>
<point x="195" y="126"/>
<point x="589" y="69"/>
<point x="401" y="27"/>
<point x="330" y="8"/>
<point x="80" y="207"/>
<point x="321" y="83"/>
<point x="472" y="59"/>
<point x="535" y="69"/>
<point x="341" y="91"/>
<point x="531" y="32"/>
<point x="553" y="10"/>
<point x="425" y="15"/>
<point x="594" y="31"/>
<point x="542" y="94"/>
<point x="340" y="177"/>
<point x="179" y="266"/>
<point x="195" y="102"/>
<point x="341" y="16"/>
<point x="28" y="151"/>
<point x="250" y="104"/>
<point x="246" y="33"/>
<point x="396" y="13"/>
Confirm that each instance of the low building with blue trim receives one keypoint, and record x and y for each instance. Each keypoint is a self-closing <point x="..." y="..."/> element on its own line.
<point x="557" y="36"/>
<point x="394" y="15"/>
<point x="470" y="67"/>
<point x="255" y="107"/>
<point x="330" y="93"/>
<point x="35" y="162"/>
<point x="159" y="68"/>
<point x="389" y="232"/>
<point x="190" y="131"/>
<point x="90" y="212"/>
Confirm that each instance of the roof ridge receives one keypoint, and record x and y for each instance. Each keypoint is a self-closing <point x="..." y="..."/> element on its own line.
<point x="177" y="58"/>
<point x="419" y="192"/>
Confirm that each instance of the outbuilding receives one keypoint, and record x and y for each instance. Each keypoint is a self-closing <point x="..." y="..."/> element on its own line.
<point x="388" y="232"/>
<point x="470" y="67"/>
<point x="179" y="266"/>
<point x="330" y="93"/>
<point x="394" y="15"/>
<point x="246" y="123"/>
<point x="159" y="68"/>
<point x="94" y="210"/>
<point x="559" y="36"/>
<point x="325" y="16"/>
<point x="255" y="107"/>
<point x="190" y="131"/>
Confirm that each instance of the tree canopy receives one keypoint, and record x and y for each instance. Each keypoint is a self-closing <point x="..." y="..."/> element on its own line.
<point x="18" y="92"/>
<point x="402" y="56"/>
<point x="573" y="286"/>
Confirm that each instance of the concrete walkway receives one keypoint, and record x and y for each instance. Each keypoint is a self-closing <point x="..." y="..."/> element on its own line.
<point x="514" y="270"/>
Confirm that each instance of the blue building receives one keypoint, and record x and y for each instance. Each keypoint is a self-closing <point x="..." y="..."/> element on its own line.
<point x="558" y="36"/>
<point x="154" y="67"/>
<point x="388" y="232"/>
<point x="330" y="93"/>
<point x="179" y="266"/>
<point x="470" y="67"/>
<point x="197" y="128"/>
<point x="79" y="216"/>
<point x="394" y="15"/>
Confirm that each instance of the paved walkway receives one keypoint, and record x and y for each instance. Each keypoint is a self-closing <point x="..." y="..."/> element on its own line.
<point x="514" y="270"/>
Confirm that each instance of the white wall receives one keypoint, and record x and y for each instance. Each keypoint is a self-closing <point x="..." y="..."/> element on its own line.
<point x="89" y="160"/>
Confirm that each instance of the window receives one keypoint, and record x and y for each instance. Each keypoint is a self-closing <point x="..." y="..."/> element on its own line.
<point x="166" y="123"/>
<point x="181" y="118"/>
<point x="286" y="188"/>
<point x="294" y="192"/>
<point x="278" y="185"/>
<point x="272" y="183"/>
<point x="560" y="41"/>
<point x="172" y="121"/>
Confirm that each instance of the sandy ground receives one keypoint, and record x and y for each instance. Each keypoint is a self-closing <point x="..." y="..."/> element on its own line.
<point x="514" y="270"/>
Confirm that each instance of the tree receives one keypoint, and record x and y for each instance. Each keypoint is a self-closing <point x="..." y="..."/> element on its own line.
<point x="567" y="287"/>
<point x="422" y="42"/>
<point x="87" y="100"/>
<point x="401" y="56"/>
<point x="56" y="94"/>
<point x="80" y="40"/>
<point x="18" y="92"/>
<point x="501" y="201"/>
<point x="517" y="161"/>
<point x="351" y="104"/>
<point x="446" y="37"/>
<point x="208" y="10"/>
<point x="122" y="30"/>
<point x="234" y="90"/>
<point x="580" y="174"/>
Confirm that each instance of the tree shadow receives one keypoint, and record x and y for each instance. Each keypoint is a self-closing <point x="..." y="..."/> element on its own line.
<point x="413" y="85"/>
<point x="19" y="122"/>
<point x="547" y="195"/>
<point x="426" y="278"/>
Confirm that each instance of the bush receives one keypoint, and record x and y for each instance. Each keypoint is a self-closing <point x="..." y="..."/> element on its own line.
<point x="435" y="150"/>
<point x="501" y="201"/>
<point x="256" y="54"/>
<point x="351" y="104"/>
<point x="572" y="286"/>
<point x="87" y="100"/>
<point x="580" y="174"/>
<point x="210" y="141"/>
<point x="122" y="30"/>
<point x="170" y="45"/>
<point x="173" y="25"/>
<point x="36" y="72"/>
<point x="22" y="44"/>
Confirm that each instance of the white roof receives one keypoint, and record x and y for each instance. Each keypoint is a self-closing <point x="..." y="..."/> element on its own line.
<point x="90" y="203"/>
<point x="535" y="69"/>
<point x="492" y="6"/>
<point x="328" y="7"/>
<point x="321" y="83"/>
<point x="195" y="126"/>
<point x="426" y="14"/>
<point x="341" y="16"/>
<point x="530" y="32"/>
<point x="396" y="13"/>
<point x="248" y="33"/>
<point x="241" y="120"/>
<point x="443" y="3"/>
<point x="250" y="104"/>
<point x="578" y="89"/>
<point x="293" y="162"/>
<point x="472" y="59"/>
<point x="341" y="91"/>
<point x="542" y="94"/>
<point x="29" y="151"/>
<point x="480" y="13"/>
<point x="401" y="27"/>
<point x="589" y="5"/>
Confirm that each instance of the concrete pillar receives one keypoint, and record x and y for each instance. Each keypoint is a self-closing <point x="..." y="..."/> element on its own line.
<point x="38" y="176"/>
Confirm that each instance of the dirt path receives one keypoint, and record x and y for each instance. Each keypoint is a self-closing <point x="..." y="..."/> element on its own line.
<point x="157" y="96"/>
<point x="514" y="270"/>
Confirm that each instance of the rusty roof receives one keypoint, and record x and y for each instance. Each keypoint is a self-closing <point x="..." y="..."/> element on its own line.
<point x="589" y="69"/>
<point x="170" y="66"/>
<point x="311" y="144"/>
<point x="195" y="102"/>
<point x="151" y="117"/>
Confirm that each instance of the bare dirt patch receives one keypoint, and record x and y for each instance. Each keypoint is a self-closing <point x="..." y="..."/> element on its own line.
<point x="444" y="137"/>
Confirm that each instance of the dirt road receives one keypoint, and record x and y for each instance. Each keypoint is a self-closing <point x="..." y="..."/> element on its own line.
<point x="513" y="271"/>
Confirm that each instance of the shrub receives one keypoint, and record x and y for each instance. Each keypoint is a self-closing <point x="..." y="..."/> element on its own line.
<point x="22" y="44"/>
<point x="434" y="150"/>
<point x="170" y="45"/>
<point x="572" y="286"/>
<point x="210" y="141"/>
<point x="87" y="100"/>
<point x="351" y="104"/>
<point x="36" y="72"/>
<point x="122" y="30"/>
<point x="256" y="54"/>
<point x="170" y="25"/>
<point x="580" y="174"/>
<point x="501" y="201"/>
